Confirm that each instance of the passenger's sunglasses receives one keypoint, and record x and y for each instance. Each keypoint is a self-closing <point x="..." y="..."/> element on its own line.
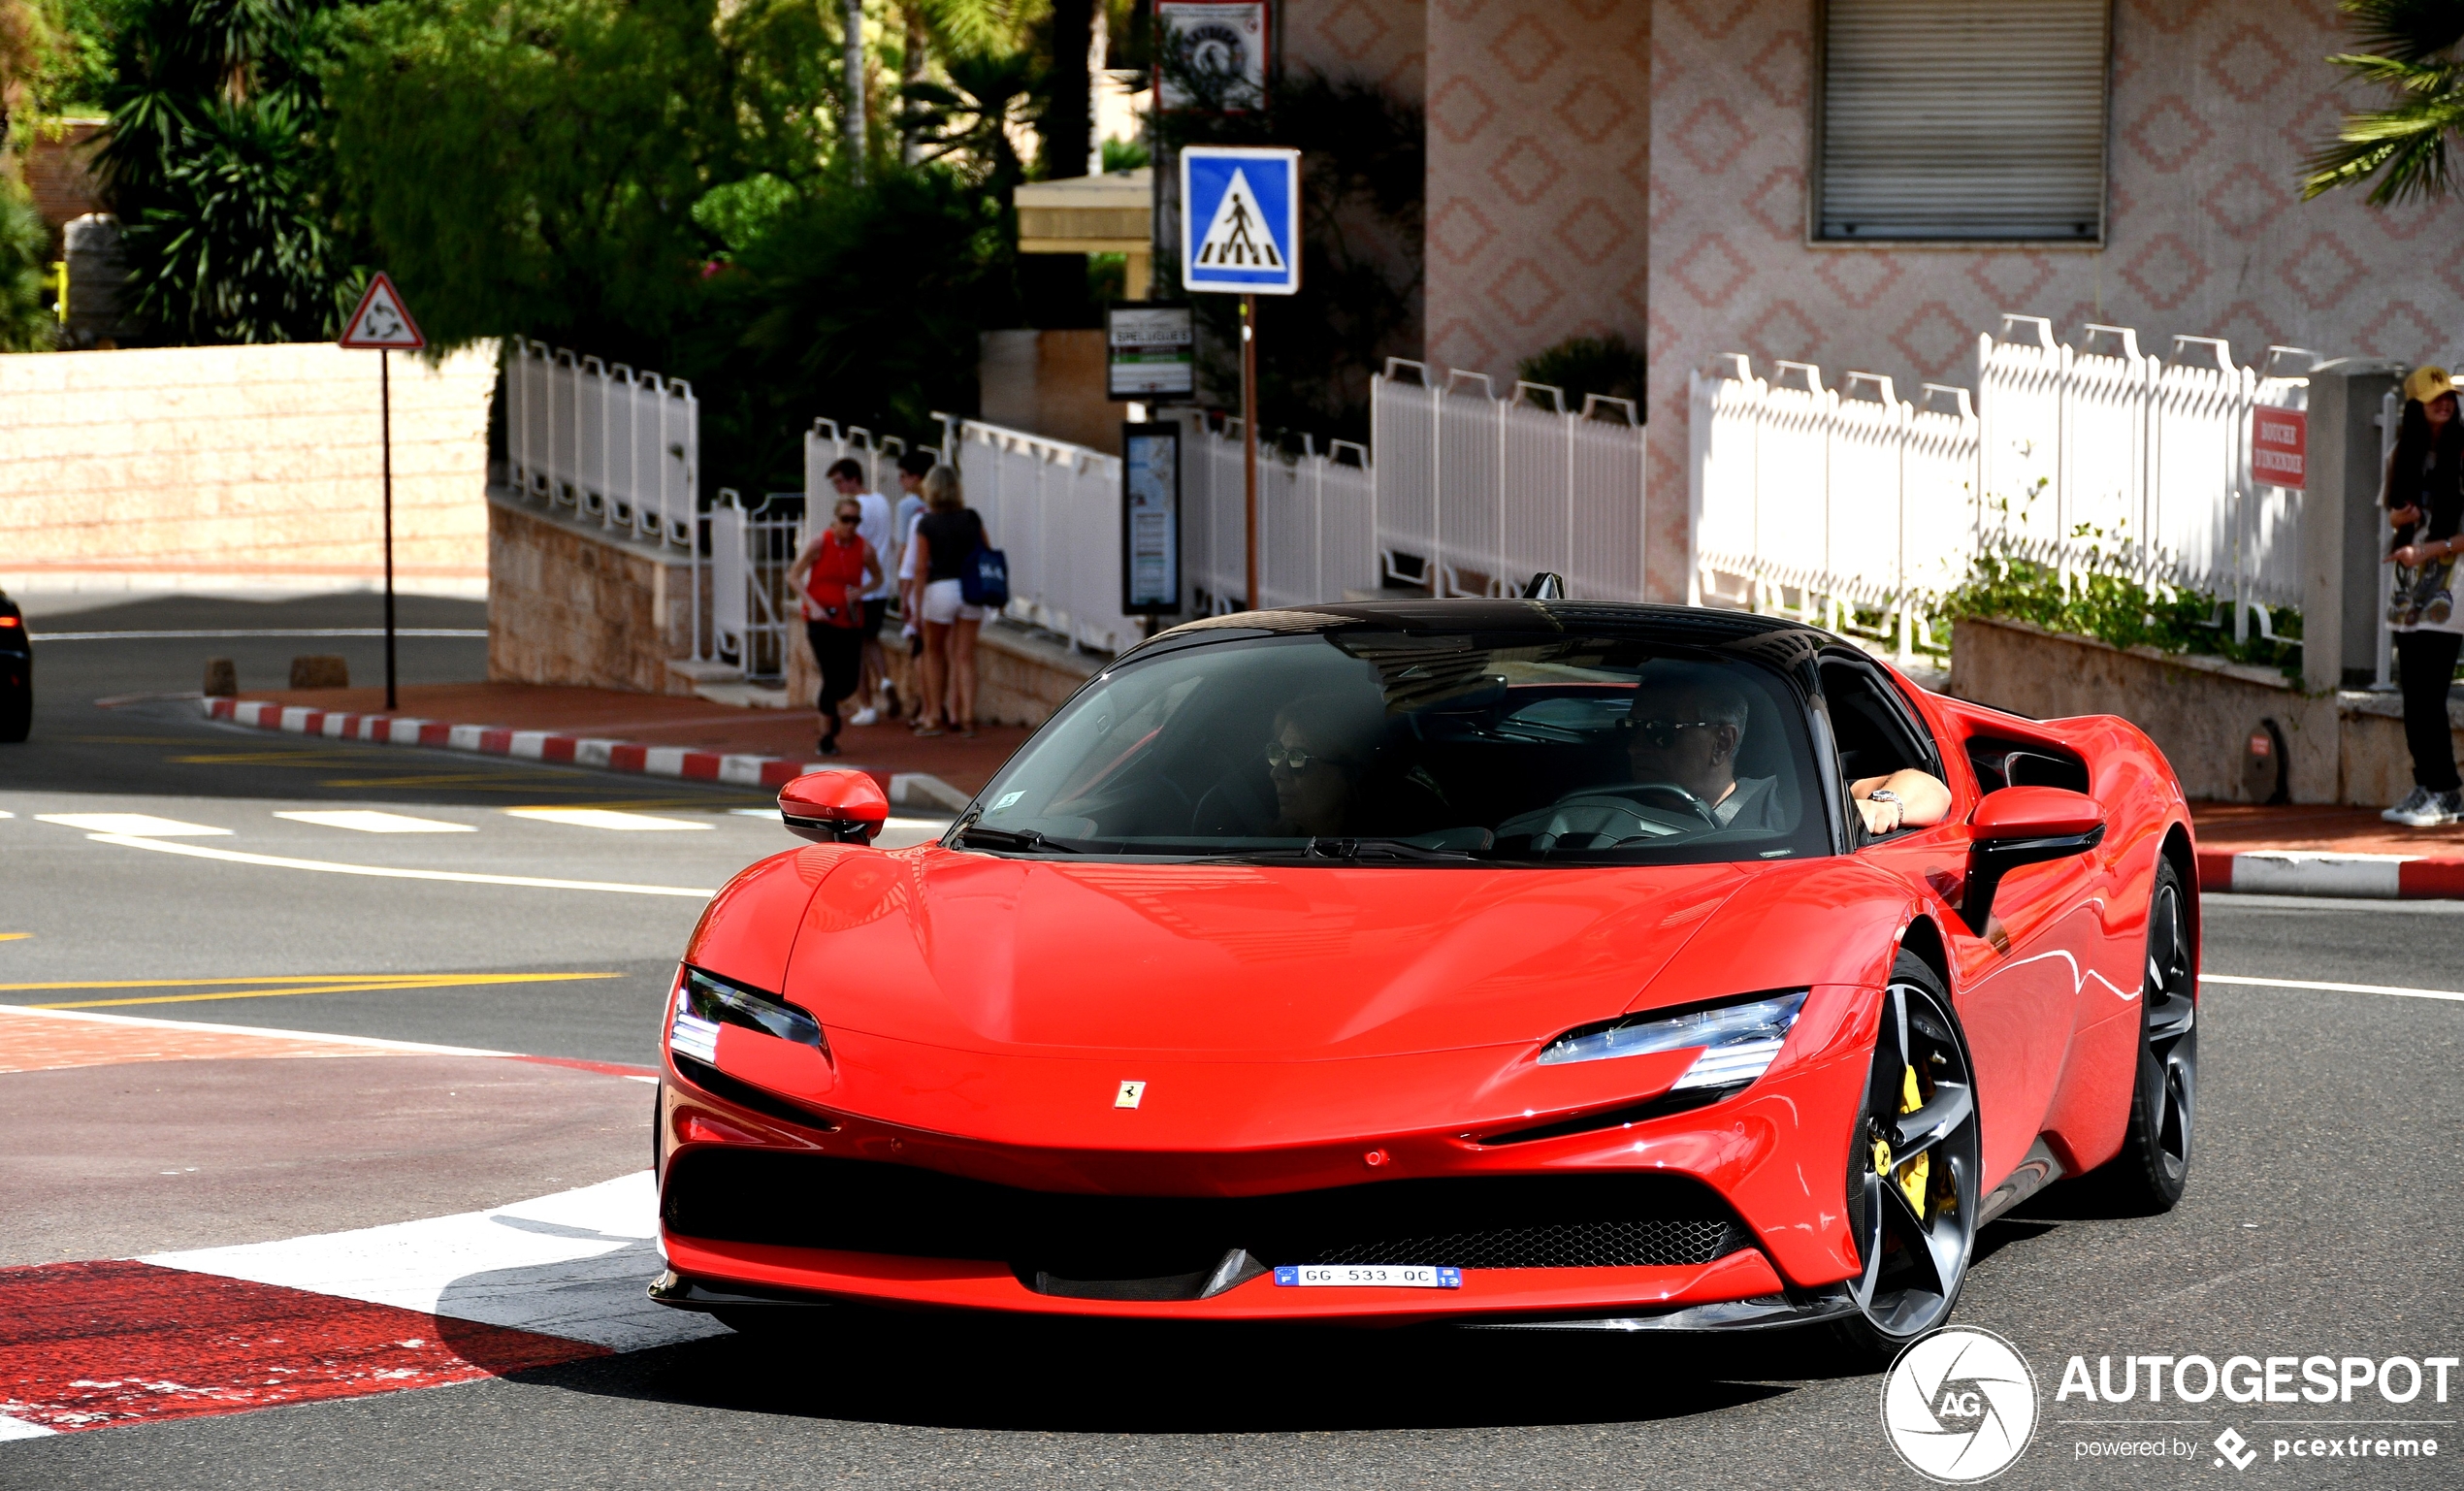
<point x="1661" y="734"/>
<point x="1289" y="758"/>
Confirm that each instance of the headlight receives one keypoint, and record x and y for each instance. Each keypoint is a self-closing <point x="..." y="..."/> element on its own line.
<point x="1738" y="1041"/>
<point x="704" y="1003"/>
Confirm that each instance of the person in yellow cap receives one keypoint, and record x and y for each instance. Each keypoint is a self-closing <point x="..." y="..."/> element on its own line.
<point x="2425" y="508"/>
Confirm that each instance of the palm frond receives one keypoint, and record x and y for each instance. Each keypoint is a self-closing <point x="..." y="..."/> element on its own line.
<point x="2406" y="30"/>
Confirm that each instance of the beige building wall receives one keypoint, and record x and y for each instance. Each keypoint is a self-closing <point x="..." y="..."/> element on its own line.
<point x="2215" y="104"/>
<point x="1540" y="175"/>
<point x="242" y="467"/>
<point x="1382" y="41"/>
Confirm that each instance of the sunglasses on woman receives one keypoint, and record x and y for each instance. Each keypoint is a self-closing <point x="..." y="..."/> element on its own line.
<point x="851" y="518"/>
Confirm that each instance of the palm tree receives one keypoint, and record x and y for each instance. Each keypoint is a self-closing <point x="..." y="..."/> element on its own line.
<point x="2410" y="48"/>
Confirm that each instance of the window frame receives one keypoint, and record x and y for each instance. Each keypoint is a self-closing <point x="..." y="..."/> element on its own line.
<point x="1816" y="127"/>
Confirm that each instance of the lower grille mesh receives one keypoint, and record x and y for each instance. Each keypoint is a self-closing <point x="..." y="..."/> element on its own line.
<point x="1472" y="1222"/>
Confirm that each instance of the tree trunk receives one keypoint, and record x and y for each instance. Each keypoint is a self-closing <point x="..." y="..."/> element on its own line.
<point x="911" y="71"/>
<point x="852" y="122"/>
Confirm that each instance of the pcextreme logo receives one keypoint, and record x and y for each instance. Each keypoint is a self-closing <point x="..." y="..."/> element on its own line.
<point x="1960" y="1406"/>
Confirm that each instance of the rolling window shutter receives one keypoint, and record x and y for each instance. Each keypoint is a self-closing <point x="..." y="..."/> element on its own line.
<point x="1963" y="120"/>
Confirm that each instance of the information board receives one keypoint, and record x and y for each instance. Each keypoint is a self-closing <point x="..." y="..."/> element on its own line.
<point x="1150" y="352"/>
<point x="1149" y="519"/>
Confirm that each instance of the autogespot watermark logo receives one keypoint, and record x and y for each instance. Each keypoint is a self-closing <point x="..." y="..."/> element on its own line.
<point x="1960" y="1406"/>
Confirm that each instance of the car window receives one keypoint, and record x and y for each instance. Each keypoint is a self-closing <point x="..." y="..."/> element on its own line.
<point x="1875" y="731"/>
<point x="1374" y="746"/>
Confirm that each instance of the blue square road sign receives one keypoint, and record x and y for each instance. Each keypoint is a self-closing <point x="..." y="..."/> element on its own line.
<point x="1241" y="219"/>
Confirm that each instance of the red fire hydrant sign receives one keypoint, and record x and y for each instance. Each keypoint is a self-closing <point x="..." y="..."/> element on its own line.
<point x="2280" y="447"/>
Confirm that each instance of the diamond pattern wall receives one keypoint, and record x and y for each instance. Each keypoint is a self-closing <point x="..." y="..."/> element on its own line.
<point x="2214" y="105"/>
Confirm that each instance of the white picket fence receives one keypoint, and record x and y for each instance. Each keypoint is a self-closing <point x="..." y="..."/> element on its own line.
<point x="1053" y="509"/>
<point x="1825" y="501"/>
<point x="619" y="447"/>
<point x="1476" y="492"/>
<point x="1316" y="520"/>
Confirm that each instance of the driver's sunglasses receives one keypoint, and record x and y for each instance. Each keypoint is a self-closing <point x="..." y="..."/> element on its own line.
<point x="1662" y="734"/>
<point x="1289" y="758"/>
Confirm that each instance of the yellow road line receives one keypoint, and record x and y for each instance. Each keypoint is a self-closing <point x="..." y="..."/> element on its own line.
<point x="307" y="977"/>
<point x="352" y="987"/>
<point x="13" y="936"/>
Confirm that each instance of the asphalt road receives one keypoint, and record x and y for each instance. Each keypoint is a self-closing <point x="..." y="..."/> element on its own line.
<point x="2321" y="1218"/>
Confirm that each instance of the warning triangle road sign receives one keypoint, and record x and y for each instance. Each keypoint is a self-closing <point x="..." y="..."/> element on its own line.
<point x="1239" y="238"/>
<point x="382" y="321"/>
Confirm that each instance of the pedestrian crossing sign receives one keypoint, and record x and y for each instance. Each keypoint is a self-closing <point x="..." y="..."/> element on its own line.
<point x="1241" y="219"/>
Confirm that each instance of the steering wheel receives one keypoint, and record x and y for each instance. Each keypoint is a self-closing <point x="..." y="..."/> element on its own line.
<point x="1664" y="795"/>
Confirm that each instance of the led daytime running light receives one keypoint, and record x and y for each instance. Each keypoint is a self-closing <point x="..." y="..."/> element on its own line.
<point x="1738" y="1041"/>
<point x="704" y="1003"/>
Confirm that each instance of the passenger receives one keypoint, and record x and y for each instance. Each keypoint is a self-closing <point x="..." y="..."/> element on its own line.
<point x="1315" y="758"/>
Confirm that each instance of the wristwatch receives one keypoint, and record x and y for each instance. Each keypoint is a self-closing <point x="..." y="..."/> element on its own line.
<point x="1886" y="795"/>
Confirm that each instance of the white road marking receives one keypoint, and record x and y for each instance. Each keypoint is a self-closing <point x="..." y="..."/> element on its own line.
<point x="370" y="821"/>
<point x="387" y="872"/>
<point x="128" y="823"/>
<point x="604" y="818"/>
<point x="9" y="1012"/>
<point x="136" y="636"/>
<point x="19" y="1429"/>
<point x="573" y="1265"/>
<point x="2335" y="989"/>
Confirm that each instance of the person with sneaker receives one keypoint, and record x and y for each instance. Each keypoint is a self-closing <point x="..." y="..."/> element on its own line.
<point x="831" y="577"/>
<point x="847" y="479"/>
<point x="2425" y="508"/>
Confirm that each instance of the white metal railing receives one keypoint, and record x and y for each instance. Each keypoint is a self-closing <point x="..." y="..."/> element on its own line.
<point x="620" y="447"/>
<point x="753" y="609"/>
<point x="1053" y="509"/>
<point x="1316" y="520"/>
<point x="826" y="445"/>
<point x="2086" y="457"/>
<point x="1475" y="493"/>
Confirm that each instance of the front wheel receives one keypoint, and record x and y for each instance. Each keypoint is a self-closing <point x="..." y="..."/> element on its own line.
<point x="1913" y="1167"/>
<point x="2153" y="1166"/>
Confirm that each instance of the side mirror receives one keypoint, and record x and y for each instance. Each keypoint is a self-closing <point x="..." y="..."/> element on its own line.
<point x="833" y="807"/>
<point x="2024" y="825"/>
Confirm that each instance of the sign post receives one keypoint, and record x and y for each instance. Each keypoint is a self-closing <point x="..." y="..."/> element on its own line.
<point x="1248" y="198"/>
<point x="382" y="322"/>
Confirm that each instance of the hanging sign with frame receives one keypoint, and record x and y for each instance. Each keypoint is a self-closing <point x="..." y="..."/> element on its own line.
<point x="1149" y="519"/>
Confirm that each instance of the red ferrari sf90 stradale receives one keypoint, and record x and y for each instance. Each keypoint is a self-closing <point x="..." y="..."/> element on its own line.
<point x="1486" y="961"/>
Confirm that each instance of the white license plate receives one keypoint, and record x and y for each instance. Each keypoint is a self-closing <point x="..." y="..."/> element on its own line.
<point x="1366" y="1276"/>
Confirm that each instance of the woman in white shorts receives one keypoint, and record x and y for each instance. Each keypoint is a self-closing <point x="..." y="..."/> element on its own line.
<point x="946" y="539"/>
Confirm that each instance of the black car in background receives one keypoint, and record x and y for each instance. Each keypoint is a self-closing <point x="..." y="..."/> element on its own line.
<point x="16" y="672"/>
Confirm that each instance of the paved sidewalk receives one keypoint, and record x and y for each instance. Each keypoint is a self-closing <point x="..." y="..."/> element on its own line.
<point x="2325" y="851"/>
<point x="654" y="726"/>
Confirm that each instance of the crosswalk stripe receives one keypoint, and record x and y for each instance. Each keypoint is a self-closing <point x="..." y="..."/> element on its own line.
<point x="371" y="820"/>
<point x="606" y="817"/>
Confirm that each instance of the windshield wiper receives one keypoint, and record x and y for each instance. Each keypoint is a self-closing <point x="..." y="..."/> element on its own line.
<point x="1377" y="848"/>
<point x="1004" y="838"/>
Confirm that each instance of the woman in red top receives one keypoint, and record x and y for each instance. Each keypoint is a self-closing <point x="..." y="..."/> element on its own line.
<point x="832" y="574"/>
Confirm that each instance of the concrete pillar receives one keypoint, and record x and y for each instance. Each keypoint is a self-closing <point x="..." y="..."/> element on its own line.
<point x="2341" y="536"/>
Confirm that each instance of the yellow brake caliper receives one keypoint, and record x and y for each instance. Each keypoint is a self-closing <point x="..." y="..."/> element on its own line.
<point x="1912" y="1183"/>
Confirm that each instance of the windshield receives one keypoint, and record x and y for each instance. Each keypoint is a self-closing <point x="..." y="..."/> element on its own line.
<point x="1375" y="746"/>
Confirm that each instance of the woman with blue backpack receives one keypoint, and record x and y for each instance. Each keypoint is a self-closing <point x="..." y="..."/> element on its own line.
<point x="964" y="581"/>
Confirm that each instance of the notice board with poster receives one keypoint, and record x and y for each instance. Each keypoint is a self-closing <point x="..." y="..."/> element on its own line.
<point x="1211" y="55"/>
<point x="1150" y="352"/>
<point x="1149" y="519"/>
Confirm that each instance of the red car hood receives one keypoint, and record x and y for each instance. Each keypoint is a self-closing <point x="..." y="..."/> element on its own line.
<point x="1233" y="962"/>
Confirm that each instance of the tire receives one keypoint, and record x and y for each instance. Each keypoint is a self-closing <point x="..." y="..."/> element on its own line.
<point x="2148" y="1175"/>
<point x="1914" y="1254"/>
<point x="17" y="712"/>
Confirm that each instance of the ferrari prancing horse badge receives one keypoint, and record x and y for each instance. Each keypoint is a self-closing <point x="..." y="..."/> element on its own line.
<point x="1129" y="1094"/>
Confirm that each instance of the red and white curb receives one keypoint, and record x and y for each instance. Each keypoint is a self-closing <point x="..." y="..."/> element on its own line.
<point x="905" y="789"/>
<point x="2308" y="872"/>
<point x="420" y="1304"/>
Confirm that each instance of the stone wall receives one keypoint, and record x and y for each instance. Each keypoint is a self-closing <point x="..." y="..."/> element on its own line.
<point x="573" y="605"/>
<point x="1539" y="177"/>
<point x="251" y="467"/>
<point x="2344" y="748"/>
<point x="2215" y="104"/>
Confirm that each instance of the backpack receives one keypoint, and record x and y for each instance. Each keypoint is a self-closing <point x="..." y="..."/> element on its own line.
<point x="985" y="578"/>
